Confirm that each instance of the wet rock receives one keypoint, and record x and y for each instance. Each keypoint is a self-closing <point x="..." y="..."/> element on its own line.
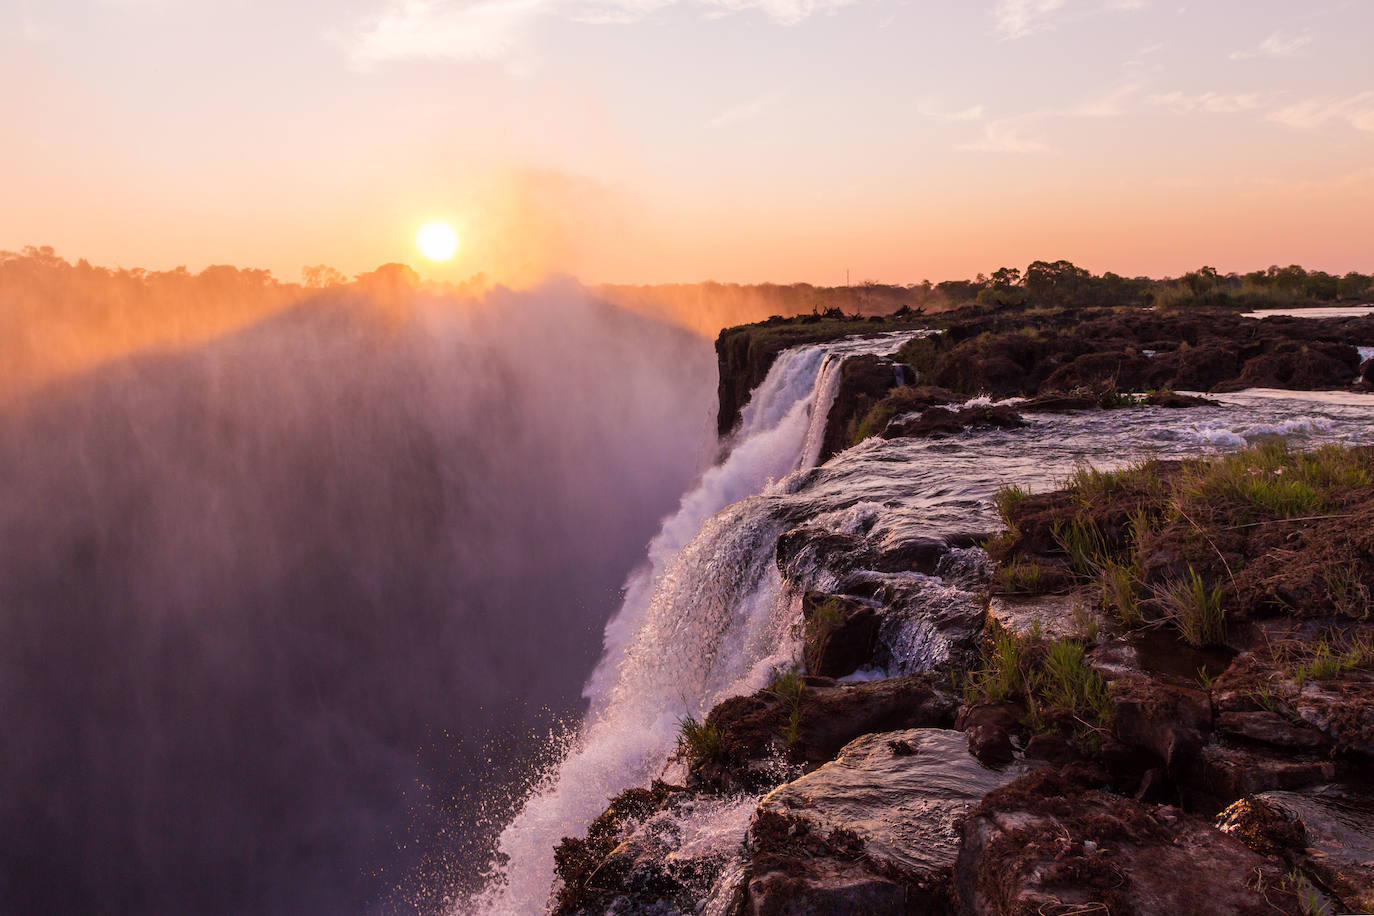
<point x="1337" y="852"/>
<point x="1271" y="728"/>
<point x="840" y="634"/>
<point x="942" y="421"/>
<point x="930" y="624"/>
<point x="1050" y="844"/>
<point x="1167" y="721"/>
<point x="1174" y="400"/>
<point x="887" y="824"/>
<point x="864" y="380"/>
<point x="1229" y="772"/>
<point x="1053" y="616"/>
<point x="765" y="732"/>
<point x="989" y="727"/>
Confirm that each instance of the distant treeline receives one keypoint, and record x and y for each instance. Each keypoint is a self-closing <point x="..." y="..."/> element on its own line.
<point x="1048" y="284"/>
<point x="57" y="317"/>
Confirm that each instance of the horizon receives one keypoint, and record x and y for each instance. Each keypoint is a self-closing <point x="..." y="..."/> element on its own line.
<point x="893" y="142"/>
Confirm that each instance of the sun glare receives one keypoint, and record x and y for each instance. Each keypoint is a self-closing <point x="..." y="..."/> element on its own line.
<point x="437" y="240"/>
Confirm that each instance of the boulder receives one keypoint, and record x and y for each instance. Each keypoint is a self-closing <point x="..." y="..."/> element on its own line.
<point x="875" y="831"/>
<point x="839" y="633"/>
<point x="764" y="733"/>
<point x="1051" y="844"/>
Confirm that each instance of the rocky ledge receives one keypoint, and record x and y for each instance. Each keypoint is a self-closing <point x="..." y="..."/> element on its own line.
<point x="1155" y="694"/>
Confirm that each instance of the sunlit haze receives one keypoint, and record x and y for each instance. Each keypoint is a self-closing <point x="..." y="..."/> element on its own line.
<point x="736" y="141"/>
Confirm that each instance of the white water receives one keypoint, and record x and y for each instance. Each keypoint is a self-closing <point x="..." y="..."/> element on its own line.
<point x="705" y="618"/>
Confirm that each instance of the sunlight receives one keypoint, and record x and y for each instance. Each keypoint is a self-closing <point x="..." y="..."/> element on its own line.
<point x="437" y="240"/>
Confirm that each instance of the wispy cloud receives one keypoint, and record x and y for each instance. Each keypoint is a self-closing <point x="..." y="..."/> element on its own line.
<point x="1355" y="110"/>
<point x="1006" y="137"/>
<point x="1278" y="45"/>
<point x="1016" y="134"/>
<point x="1207" y="102"/>
<point x="493" y="29"/>
<point x="1019" y="18"/>
<point x="972" y="113"/>
<point x="744" y="111"/>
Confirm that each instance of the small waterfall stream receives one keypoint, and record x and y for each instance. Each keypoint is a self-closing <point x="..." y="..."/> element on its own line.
<point x="710" y="616"/>
<point x="704" y="618"/>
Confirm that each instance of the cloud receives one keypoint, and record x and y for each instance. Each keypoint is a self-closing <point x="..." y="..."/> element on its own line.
<point x="494" y="29"/>
<point x="1207" y="102"/>
<point x="972" y="113"/>
<point x="1356" y="110"/>
<point x="1011" y="135"/>
<point x="1005" y="137"/>
<point x="745" y="111"/>
<point x="485" y="30"/>
<point x="1019" y="18"/>
<point x="1277" y="45"/>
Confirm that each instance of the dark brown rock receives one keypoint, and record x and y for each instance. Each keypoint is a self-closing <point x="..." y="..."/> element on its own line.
<point x="1052" y="844"/>
<point x="1271" y="728"/>
<point x="839" y="634"/>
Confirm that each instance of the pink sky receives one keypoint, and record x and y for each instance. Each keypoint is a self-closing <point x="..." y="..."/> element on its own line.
<point x="666" y="140"/>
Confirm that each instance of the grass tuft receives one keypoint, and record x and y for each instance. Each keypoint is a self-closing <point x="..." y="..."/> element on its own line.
<point x="699" y="741"/>
<point x="1195" y="609"/>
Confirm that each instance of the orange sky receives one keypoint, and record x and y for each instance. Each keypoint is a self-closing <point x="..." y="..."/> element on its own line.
<point x="736" y="140"/>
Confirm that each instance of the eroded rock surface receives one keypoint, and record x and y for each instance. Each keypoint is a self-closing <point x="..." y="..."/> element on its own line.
<point x="886" y="814"/>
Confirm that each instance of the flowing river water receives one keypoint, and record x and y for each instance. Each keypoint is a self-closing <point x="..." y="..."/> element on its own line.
<point x="710" y="615"/>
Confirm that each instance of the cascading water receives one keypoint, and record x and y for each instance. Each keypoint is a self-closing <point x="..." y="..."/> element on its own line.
<point x="705" y="618"/>
<point x="711" y="615"/>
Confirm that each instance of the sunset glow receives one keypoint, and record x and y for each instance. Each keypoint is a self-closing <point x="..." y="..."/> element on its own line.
<point x="437" y="240"/>
<point x="941" y="140"/>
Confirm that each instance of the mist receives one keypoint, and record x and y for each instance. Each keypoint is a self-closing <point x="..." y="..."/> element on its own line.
<point x="284" y="611"/>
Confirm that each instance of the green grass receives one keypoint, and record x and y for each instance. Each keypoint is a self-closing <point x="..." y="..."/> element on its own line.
<point x="1018" y="578"/>
<point x="1120" y="591"/>
<point x="1195" y="608"/>
<point x="1271" y="480"/>
<point x="698" y="741"/>
<point x="1051" y="677"/>
<point x="1085" y="545"/>
<point x="1006" y="499"/>
<point x="1328" y="658"/>
<point x="790" y="686"/>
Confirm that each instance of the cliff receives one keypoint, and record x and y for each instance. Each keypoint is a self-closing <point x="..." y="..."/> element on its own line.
<point x="1150" y="691"/>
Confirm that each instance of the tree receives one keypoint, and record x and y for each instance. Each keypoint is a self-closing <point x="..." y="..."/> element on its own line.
<point x="1057" y="283"/>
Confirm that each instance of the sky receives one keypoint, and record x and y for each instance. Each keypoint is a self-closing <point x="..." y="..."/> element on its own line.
<point x="645" y="141"/>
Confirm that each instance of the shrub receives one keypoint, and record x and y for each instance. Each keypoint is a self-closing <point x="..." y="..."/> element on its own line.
<point x="698" y="741"/>
<point x="1195" y="608"/>
<point x="1118" y="582"/>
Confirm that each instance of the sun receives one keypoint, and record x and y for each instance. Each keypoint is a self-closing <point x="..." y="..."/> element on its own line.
<point x="437" y="240"/>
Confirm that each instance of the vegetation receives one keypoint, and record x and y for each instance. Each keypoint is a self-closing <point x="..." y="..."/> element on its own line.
<point x="698" y="741"/>
<point x="1195" y="608"/>
<point x="1050" y="677"/>
<point x="789" y="685"/>
<point x="1202" y="521"/>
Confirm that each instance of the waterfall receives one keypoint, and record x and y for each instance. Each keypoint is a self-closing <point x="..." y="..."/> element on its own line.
<point x="704" y="618"/>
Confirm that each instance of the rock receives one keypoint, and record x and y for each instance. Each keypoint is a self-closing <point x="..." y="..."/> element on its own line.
<point x="942" y="421"/>
<point x="931" y="624"/>
<point x="1054" y="616"/>
<point x="1174" y="400"/>
<point x="1168" y="721"/>
<point x="840" y="634"/>
<point x="756" y="728"/>
<point x="1338" y="827"/>
<point x="864" y="380"/>
<point x="1271" y="728"/>
<point x="1229" y="773"/>
<point x="887" y="824"/>
<point x="1048" y="844"/>
<point x="989" y="727"/>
